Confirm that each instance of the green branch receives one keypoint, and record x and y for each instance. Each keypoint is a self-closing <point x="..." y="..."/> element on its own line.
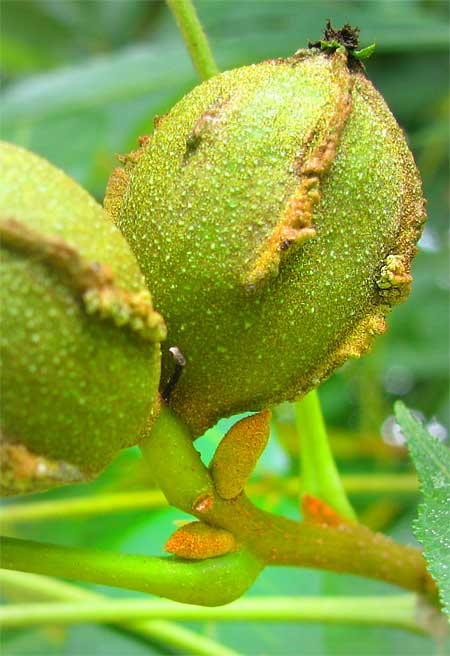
<point x="399" y="611"/>
<point x="194" y="37"/>
<point x="166" y="633"/>
<point x="349" y="547"/>
<point x="268" y="539"/>
<point x="210" y="582"/>
<point x="319" y="474"/>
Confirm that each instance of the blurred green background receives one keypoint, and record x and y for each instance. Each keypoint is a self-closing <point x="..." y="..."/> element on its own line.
<point x="81" y="81"/>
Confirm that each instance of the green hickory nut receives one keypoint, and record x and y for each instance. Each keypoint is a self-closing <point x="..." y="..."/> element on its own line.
<point x="274" y="213"/>
<point x="80" y="341"/>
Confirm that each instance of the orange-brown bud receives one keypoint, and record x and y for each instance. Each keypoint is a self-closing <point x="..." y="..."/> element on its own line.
<point x="237" y="454"/>
<point x="196" y="541"/>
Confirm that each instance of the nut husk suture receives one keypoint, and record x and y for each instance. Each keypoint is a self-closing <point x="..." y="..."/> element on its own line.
<point x="274" y="213"/>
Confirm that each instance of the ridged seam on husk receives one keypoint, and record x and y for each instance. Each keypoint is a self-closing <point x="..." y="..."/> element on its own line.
<point x="295" y="226"/>
<point x="395" y="268"/>
<point x="394" y="280"/>
<point x="94" y="282"/>
<point x="23" y="471"/>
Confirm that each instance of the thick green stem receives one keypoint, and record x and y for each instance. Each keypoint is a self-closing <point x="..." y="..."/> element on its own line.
<point x="350" y="548"/>
<point x="166" y="633"/>
<point x="175" y="464"/>
<point x="194" y="37"/>
<point x="398" y="611"/>
<point x="319" y="474"/>
<point x="210" y="582"/>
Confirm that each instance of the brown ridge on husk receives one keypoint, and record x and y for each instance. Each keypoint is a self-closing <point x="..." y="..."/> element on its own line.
<point x="396" y="269"/>
<point x="296" y="224"/>
<point x="94" y="281"/>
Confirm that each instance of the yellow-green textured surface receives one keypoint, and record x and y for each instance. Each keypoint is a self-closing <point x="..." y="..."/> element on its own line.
<point x="210" y="188"/>
<point x="76" y="388"/>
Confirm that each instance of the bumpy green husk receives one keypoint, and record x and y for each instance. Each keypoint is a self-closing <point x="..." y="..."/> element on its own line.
<point x="274" y="214"/>
<point x="79" y="336"/>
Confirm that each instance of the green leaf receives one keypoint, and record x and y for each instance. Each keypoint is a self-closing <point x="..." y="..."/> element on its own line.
<point x="432" y="528"/>
<point x="330" y="45"/>
<point x="364" y="53"/>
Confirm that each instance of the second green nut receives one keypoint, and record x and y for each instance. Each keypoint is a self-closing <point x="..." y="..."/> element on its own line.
<point x="80" y="341"/>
